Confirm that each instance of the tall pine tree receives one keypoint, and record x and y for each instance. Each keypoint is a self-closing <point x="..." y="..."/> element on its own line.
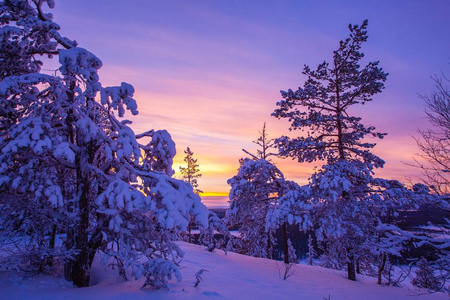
<point x="321" y="110"/>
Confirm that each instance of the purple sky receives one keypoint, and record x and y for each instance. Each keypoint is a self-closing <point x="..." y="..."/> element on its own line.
<point x="210" y="71"/>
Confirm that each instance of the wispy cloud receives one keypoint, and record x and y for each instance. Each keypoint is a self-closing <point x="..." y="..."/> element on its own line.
<point x="210" y="72"/>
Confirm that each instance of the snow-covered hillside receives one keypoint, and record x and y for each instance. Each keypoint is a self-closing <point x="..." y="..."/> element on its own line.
<point x="231" y="276"/>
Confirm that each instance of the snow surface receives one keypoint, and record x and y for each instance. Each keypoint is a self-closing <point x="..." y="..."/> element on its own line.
<point x="231" y="276"/>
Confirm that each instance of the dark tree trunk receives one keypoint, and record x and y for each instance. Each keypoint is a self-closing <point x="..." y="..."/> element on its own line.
<point x="97" y="237"/>
<point x="285" y="244"/>
<point x="70" y="234"/>
<point x="53" y="238"/>
<point x="351" y="268"/>
<point x="358" y="266"/>
<point x="190" y="230"/>
<point x="269" y="246"/>
<point x="81" y="267"/>
<point x="69" y="245"/>
<point x="381" y="268"/>
<point x="51" y="245"/>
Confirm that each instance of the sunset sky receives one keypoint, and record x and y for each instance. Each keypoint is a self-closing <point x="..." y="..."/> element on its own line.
<point x="210" y="72"/>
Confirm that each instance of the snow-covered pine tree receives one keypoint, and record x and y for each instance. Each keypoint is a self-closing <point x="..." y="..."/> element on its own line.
<point x="208" y="235"/>
<point x="321" y="109"/>
<point x="292" y="253"/>
<point x="25" y="33"/>
<point x="311" y="251"/>
<point x="255" y="197"/>
<point x="254" y="192"/>
<point x="64" y="151"/>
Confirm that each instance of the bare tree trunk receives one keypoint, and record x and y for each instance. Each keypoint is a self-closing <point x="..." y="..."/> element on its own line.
<point x="351" y="268"/>
<point x="190" y="230"/>
<point x="51" y="244"/>
<point x="69" y="245"/>
<point x="269" y="246"/>
<point x="381" y="268"/>
<point x="285" y="244"/>
<point x="69" y="242"/>
<point x="358" y="266"/>
<point x="81" y="267"/>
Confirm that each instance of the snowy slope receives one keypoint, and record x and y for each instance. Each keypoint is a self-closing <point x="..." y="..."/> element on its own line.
<point x="231" y="276"/>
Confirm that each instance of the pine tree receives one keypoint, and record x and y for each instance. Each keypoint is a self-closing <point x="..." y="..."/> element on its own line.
<point x="70" y="163"/>
<point x="321" y="109"/>
<point x="292" y="253"/>
<point x="311" y="251"/>
<point x="190" y="175"/>
<point x="254" y="192"/>
<point x="191" y="172"/>
<point x="256" y="209"/>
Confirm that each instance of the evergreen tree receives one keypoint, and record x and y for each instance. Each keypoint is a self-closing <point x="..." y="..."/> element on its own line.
<point x="191" y="172"/>
<point x="292" y="253"/>
<point x="256" y="209"/>
<point x="311" y="251"/>
<point x="321" y="109"/>
<point x="254" y="192"/>
<point x="190" y="175"/>
<point x="69" y="164"/>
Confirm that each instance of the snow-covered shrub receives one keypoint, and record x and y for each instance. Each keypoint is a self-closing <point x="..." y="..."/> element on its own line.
<point x="209" y="236"/>
<point x="425" y="276"/>
<point x="311" y="252"/>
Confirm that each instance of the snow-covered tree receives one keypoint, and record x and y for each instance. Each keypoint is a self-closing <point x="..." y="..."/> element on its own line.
<point x="69" y="164"/>
<point x="438" y="235"/>
<point x="385" y="241"/>
<point x="425" y="277"/>
<point x="292" y="253"/>
<point x="292" y="207"/>
<point x="267" y="202"/>
<point x="321" y="110"/>
<point x="311" y="252"/>
<point x="254" y="192"/>
<point x="216" y="226"/>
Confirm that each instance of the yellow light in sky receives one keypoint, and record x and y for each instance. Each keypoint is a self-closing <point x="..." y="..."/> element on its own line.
<point x="213" y="194"/>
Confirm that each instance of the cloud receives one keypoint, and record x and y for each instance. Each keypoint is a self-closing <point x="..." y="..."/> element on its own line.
<point x="210" y="73"/>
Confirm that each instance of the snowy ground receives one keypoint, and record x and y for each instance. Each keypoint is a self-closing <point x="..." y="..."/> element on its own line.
<point x="231" y="276"/>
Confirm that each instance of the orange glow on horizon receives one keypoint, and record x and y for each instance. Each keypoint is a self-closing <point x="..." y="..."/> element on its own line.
<point x="214" y="194"/>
